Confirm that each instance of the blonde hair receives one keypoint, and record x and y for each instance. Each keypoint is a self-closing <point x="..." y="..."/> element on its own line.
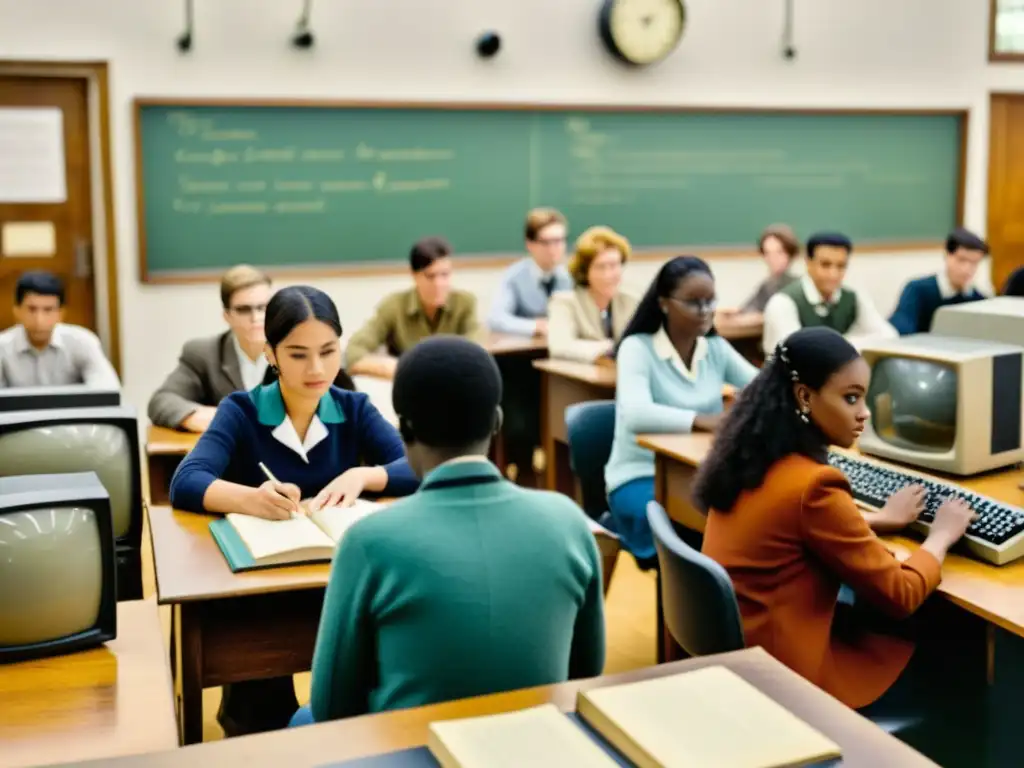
<point x="539" y="218"/>
<point x="590" y="245"/>
<point x="239" y="278"/>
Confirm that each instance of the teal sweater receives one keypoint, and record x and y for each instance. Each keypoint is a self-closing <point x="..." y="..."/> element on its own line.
<point x="470" y="586"/>
<point x="653" y="395"/>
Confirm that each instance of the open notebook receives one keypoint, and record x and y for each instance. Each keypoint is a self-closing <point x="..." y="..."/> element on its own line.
<point x="707" y="718"/>
<point x="249" y="542"/>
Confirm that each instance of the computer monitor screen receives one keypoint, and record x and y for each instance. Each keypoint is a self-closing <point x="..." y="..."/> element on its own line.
<point x="100" y="440"/>
<point x="84" y="447"/>
<point x="913" y="403"/>
<point x="58" y="579"/>
<point x="52" y="574"/>
<point x="71" y="396"/>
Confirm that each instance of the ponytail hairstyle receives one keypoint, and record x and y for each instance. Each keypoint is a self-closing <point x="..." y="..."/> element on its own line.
<point x="766" y="424"/>
<point x="648" y="317"/>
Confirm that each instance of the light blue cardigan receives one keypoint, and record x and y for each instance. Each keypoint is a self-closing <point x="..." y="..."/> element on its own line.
<point x="654" y="393"/>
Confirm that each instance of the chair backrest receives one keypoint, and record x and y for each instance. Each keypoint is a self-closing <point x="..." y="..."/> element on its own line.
<point x="697" y="596"/>
<point x="590" y="429"/>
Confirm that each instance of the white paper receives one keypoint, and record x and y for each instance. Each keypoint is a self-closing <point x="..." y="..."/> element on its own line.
<point x="28" y="238"/>
<point x="32" y="155"/>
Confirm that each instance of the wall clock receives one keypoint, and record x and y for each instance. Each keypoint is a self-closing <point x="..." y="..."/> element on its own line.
<point x="641" y="32"/>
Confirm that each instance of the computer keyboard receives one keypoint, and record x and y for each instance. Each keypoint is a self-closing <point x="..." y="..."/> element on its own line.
<point x="997" y="536"/>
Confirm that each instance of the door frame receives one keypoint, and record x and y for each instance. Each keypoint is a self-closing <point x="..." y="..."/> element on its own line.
<point x="105" y="272"/>
<point x="996" y="99"/>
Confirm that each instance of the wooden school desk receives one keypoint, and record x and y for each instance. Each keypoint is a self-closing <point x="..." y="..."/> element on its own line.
<point x="228" y="627"/>
<point x="565" y="383"/>
<point x="165" y="448"/>
<point x="992" y="593"/>
<point x="863" y="743"/>
<point x="100" y="703"/>
<point x="745" y="333"/>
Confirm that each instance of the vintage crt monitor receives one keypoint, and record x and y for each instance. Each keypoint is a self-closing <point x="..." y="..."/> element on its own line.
<point x="100" y="440"/>
<point x="57" y="565"/>
<point x="1000" y="319"/>
<point x="71" y="396"/>
<point x="945" y="404"/>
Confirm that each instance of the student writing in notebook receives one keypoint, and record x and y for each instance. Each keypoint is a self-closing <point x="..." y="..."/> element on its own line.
<point x="313" y="437"/>
<point x="470" y="586"/>
<point x="784" y="524"/>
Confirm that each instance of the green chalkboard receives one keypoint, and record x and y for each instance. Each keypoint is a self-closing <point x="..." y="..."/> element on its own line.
<point x="330" y="186"/>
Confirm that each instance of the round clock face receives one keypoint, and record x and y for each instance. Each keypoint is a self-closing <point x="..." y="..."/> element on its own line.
<point x="643" y="31"/>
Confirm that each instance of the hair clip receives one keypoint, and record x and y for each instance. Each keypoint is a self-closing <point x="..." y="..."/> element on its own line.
<point x="783" y="354"/>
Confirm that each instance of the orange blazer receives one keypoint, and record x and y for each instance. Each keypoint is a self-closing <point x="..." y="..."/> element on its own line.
<point x="788" y="546"/>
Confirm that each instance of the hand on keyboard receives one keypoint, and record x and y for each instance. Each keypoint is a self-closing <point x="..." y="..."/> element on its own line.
<point x="952" y="519"/>
<point x="902" y="508"/>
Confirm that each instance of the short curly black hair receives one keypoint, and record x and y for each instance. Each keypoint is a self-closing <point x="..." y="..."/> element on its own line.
<point x="446" y="393"/>
<point x="764" y="426"/>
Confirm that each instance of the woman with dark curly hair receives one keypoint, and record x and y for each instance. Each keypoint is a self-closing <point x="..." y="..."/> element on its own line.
<point x="784" y="524"/>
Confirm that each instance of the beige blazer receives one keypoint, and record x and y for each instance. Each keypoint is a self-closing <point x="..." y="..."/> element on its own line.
<point x="575" y="331"/>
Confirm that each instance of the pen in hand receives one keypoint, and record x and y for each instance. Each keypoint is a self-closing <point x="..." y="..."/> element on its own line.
<point x="297" y="511"/>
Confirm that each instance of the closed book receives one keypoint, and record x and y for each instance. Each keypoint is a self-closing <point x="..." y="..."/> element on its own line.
<point x="707" y="718"/>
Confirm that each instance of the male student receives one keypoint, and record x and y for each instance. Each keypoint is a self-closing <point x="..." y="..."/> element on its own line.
<point x="404" y="319"/>
<point x="42" y="351"/>
<point x="922" y="297"/>
<point x="212" y="368"/>
<point x="471" y="585"/>
<point x="521" y="304"/>
<point x="820" y="298"/>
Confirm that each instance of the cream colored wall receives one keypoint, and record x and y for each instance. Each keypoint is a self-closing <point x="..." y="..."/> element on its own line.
<point x="873" y="53"/>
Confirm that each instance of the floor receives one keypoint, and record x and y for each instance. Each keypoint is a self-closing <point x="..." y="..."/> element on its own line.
<point x="629" y="621"/>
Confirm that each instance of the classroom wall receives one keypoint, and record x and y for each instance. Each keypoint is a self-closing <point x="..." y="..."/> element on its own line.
<point x="872" y="53"/>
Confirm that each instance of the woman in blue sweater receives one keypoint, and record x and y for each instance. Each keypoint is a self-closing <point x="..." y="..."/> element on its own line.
<point x="313" y="437"/>
<point x="671" y="369"/>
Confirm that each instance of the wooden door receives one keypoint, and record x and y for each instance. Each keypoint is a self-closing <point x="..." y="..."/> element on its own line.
<point x="1006" y="186"/>
<point x="25" y="226"/>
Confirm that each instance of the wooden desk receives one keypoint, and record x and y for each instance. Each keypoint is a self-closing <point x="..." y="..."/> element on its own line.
<point x="165" y="448"/>
<point x="862" y="742"/>
<point x="109" y="701"/>
<point x="499" y="344"/>
<point x="993" y="593"/>
<point x="229" y="627"/>
<point x="745" y="333"/>
<point x="565" y="383"/>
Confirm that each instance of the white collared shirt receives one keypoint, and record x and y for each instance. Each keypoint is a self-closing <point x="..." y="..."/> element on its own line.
<point x="286" y="434"/>
<point x="781" y="317"/>
<point x="946" y="289"/>
<point x="252" y="371"/>
<point x="73" y="356"/>
<point x="666" y="350"/>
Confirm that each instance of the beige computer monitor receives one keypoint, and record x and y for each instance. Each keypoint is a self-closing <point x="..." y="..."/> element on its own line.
<point x="943" y="403"/>
<point x="1000" y="319"/>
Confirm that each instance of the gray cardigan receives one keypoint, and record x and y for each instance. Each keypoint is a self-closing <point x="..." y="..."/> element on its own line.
<point x="207" y="372"/>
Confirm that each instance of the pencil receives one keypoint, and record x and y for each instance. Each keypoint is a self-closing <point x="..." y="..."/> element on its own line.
<point x="275" y="481"/>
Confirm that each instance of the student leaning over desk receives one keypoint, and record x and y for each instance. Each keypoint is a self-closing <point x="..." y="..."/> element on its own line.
<point x="784" y="524"/>
<point x="584" y="324"/>
<point x="671" y="367"/>
<point x="311" y="435"/>
<point x="470" y="586"/>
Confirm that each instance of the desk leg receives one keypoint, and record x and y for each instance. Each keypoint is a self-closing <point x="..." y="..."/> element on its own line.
<point x="191" y="668"/>
<point x="547" y="436"/>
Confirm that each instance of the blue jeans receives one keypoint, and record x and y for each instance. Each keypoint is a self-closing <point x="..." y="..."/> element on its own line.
<point x="628" y="506"/>
<point x="302" y="716"/>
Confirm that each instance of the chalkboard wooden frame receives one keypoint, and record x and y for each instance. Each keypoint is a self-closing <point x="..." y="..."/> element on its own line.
<point x="189" y="277"/>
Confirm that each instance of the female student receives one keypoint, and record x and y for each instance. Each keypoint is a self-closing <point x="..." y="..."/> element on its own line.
<point x="584" y="324"/>
<point x="313" y="437"/>
<point x="784" y="525"/>
<point x="470" y="586"/>
<point x="671" y="367"/>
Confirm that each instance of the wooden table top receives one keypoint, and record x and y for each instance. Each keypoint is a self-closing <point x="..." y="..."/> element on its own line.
<point x="995" y="593"/>
<point x="863" y="743"/>
<point x="507" y="344"/>
<point x="740" y="326"/>
<point x="588" y="373"/>
<point x="112" y="700"/>
<point x="190" y="566"/>
<point x="161" y="441"/>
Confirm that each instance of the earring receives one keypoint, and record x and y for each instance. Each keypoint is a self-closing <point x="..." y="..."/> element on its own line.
<point x="804" y="414"/>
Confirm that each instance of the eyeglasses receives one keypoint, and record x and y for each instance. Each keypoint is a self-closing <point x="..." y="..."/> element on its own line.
<point x="697" y="306"/>
<point x="550" y="241"/>
<point x="249" y="310"/>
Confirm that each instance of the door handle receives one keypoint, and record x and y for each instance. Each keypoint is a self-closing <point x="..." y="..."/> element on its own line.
<point x="83" y="258"/>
